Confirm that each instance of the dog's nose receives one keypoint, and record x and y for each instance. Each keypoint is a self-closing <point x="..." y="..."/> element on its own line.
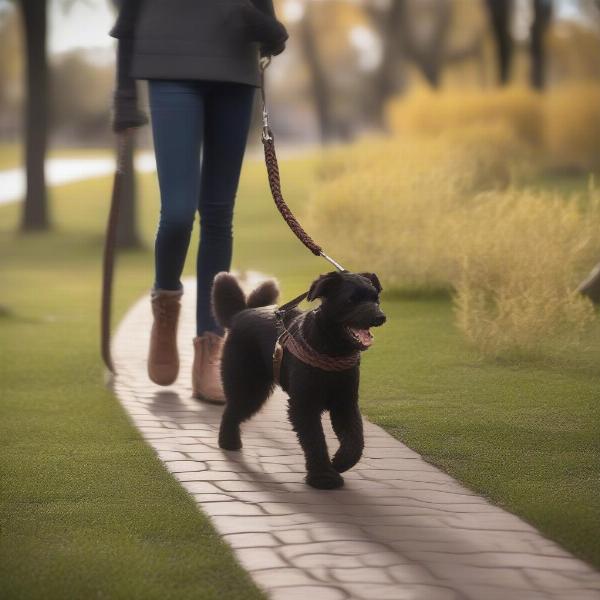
<point x="380" y="320"/>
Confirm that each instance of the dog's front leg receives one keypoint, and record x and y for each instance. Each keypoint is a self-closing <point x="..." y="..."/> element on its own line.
<point x="306" y="421"/>
<point x="347" y="424"/>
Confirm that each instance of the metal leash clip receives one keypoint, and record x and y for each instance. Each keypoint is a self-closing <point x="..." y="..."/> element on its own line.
<point x="267" y="135"/>
<point x="266" y="130"/>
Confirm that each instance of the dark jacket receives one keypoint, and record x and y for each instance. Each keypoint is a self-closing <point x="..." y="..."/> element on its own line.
<point x="189" y="39"/>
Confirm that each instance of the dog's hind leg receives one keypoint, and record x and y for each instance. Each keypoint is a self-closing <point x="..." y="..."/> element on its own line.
<point x="306" y="422"/>
<point x="347" y="425"/>
<point x="246" y="391"/>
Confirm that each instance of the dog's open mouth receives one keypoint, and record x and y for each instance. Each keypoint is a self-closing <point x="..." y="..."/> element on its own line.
<point x="363" y="337"/>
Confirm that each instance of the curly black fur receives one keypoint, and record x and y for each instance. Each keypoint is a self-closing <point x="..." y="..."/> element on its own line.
<point x="347" y="300"/>
<point x="228" y="298"/>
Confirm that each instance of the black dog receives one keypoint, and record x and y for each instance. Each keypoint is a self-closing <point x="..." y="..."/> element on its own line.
<point x="330" y="337"/>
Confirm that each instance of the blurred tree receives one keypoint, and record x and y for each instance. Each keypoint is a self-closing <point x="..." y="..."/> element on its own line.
<point x="320" y="87"/>
<point x="321" y="32"/>
<point x="465" y="56"/>
<point x="500" y="12"/>
<point x="388" y="79"/>
<point x="414" y="31"/>
<point x="10" y="74"/>
<point x="542" y="15"/>
<point x="423" y="29"/>
<point x="35" y="27"/>
<point x="35" y="215"/>
<point x="35" y="207"/>
<point x="78" y="96"/>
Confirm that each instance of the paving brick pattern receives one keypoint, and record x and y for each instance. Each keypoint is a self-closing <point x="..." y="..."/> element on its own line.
<point x="400" y="529"/>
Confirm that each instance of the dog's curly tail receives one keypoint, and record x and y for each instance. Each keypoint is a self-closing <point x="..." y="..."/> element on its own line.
<point x="228" y="298"/>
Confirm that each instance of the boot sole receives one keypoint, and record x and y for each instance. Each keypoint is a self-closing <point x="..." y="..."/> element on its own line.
<point x="164" y="381"/>
<point x="208" y="400"/>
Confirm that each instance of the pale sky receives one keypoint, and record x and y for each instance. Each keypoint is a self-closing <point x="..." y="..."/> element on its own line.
<point x="84" y="25"/>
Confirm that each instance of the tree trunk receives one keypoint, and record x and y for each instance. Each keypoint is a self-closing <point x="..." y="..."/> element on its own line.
<point x="542" y="14"/>
<point x="321" y="94"/>
<point x="395" y="27"/>
<point x="35" y="207"/>
<point x="429" y="54"/>
<point x="388" y="79"/>
<point x="500" y="12"/>
<point x="591" y="286"/>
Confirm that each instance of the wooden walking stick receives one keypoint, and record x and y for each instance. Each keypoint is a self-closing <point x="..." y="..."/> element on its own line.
<point x="124" y="140"/>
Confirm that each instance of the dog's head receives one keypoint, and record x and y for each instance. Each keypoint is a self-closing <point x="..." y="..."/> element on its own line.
<point x="350" y="305"/>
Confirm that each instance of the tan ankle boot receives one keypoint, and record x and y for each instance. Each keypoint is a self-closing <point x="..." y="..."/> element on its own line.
<point x="206" y="370"/>
<point x="163" y="358"/>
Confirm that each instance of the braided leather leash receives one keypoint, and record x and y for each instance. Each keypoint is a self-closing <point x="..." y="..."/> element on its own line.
<point x="291" y="338"/>
<point x="275" y="180"/>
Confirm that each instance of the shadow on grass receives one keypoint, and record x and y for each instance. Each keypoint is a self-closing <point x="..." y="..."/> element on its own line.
<point x="585" y="361"/>
<point x="8" y="315"/>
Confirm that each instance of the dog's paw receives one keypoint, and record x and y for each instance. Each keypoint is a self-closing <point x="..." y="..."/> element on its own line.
<point x="325" y="480"/>
<point x="230" y="440"/>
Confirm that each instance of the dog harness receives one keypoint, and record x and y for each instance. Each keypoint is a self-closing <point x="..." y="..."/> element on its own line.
<point x="292" y="340"/>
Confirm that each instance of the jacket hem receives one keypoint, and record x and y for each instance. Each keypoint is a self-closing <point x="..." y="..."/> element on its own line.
<point x="161" y="66"/>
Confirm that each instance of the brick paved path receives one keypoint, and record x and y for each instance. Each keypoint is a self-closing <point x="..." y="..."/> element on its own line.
<point x="400" y="528"/>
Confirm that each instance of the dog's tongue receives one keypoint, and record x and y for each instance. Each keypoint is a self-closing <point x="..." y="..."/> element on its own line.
<point x="365" y="336"/>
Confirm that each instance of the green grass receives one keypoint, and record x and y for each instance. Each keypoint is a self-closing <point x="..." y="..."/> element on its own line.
<point x="88" y="510"/>
<point x="11" y="155"/>
<point x="524" y="435"/>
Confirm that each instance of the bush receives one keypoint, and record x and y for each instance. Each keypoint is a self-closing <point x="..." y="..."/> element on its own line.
<point x="561" y="126"/>
<point x="441" y="212"/>
<point x="519" y="262"/>
<point x="401" y="199"/>
<point x="476" y="157"/>
<point x="516" y="110"/>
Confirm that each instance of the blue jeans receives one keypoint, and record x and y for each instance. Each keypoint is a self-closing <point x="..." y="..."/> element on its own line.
<point x="200" y="130"/>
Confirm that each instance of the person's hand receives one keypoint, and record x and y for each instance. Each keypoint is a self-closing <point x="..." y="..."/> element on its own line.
<point x="270" y="33"/>
<point x="126" y="113"/>
<point x="272" y="49"/>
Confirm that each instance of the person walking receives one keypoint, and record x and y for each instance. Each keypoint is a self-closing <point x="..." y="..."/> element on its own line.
<point x="201" y="62"/>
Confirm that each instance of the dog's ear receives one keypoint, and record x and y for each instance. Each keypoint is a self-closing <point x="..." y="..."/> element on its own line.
<point x="323" y="286"/>
<point x="374" y="280"/>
